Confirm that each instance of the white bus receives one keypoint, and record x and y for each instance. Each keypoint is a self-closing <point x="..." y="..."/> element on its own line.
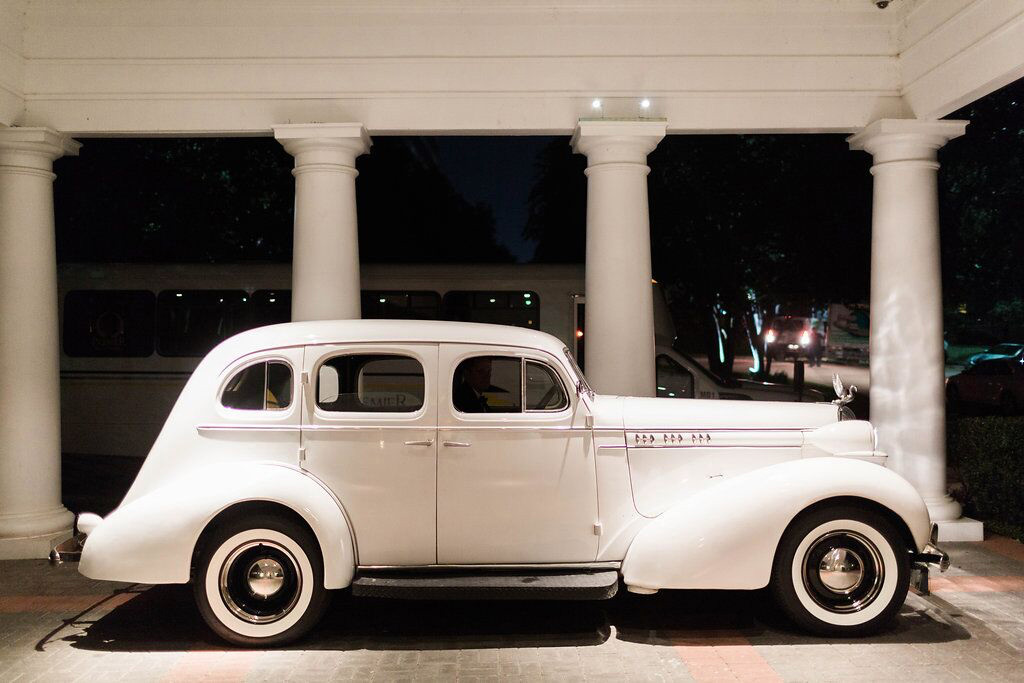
<point x="131" y="334"/>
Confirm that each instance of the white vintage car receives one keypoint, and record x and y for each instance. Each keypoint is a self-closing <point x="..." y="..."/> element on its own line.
<point x="426" y="459"/>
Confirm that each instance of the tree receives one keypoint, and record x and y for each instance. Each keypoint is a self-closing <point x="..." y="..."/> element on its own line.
<point x="784" y="216"/>
<point x="982" y="214"/>
<point x="232" y="199"/>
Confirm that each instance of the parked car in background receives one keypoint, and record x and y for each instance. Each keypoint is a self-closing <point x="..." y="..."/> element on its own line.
<point x="996" y="384"/>
<point x="792" y="337"/>
<point x="681" y="376"/>
<point x="432" y="459"/>
<point x="1005" y="351"/>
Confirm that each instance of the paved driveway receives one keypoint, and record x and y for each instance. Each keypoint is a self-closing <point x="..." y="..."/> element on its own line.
<point x="57" y="625"/>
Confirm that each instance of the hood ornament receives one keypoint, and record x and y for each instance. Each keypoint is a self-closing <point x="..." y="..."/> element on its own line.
<point x="843" y="395"/>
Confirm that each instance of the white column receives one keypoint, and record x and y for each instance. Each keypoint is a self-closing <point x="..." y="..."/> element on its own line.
<point x="907" y="366"/>
<point x="325" y="258"/>
<point x="620" y="304"/>
<point x="32" y="517"/>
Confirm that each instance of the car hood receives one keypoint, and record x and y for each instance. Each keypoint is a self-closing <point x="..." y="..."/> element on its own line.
<point x="785" y="392"/>
<point x="681" y="413"/>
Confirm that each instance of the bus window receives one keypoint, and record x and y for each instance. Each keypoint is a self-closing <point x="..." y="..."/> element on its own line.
<point x="190" y="322"/>
<point x="521" y="309"/>
<point x="270" y="307"/>
<point x="401" y="305"/>
<point x="108" y="323"/>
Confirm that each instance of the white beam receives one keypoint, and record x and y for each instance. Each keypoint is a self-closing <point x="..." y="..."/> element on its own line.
<point x="954" y="52"/>
<point x="12" y="62"/>
<point x="471" y="67"/>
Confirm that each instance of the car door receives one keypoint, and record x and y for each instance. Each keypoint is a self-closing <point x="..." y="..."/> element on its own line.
<point x="516" y="480"/>
<point x="370" y="434"/>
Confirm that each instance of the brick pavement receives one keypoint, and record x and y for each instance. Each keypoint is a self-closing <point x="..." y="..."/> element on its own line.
<point x="57" y="625"/>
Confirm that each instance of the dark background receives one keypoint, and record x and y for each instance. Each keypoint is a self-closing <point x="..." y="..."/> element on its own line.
<point x="785" y="219"/>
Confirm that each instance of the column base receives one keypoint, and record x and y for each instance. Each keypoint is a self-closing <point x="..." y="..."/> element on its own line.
<point x="942" y="508"/>
<point x="963" y="529"/>
<point x="31" y="547"/>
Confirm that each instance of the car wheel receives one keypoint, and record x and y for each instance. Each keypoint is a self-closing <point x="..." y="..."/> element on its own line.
<point x="841" y="571"/>
<point x="259" y="581"/>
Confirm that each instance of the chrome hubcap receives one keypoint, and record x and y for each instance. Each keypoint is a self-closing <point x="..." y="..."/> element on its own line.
<point x="841" y="570"/>
<point x="265" y="577"/>
<point x="260" y="582"/>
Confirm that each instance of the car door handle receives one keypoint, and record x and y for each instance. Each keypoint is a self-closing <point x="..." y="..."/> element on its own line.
<point x="427" y="442"/>
<point x="456" y="444"/>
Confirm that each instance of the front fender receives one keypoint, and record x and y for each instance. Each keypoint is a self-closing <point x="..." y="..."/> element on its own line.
<point x="725" y="536"/>
<point x="152" y="538"/>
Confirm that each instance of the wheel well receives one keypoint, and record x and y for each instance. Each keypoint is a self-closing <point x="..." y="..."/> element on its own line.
<point x="245" y="509"/>
<point x="856" y="501"/>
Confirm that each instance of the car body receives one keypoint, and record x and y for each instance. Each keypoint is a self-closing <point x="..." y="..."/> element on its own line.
<point x="792" y="337"/>
<point x="406" y="455"/>
<point x="996" y="384"/>
<point x="1004" y="351"/>
<point x="681" y="376"/>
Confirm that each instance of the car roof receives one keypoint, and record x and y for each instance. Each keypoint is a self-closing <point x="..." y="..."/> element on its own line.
<point x="404" y="331"/>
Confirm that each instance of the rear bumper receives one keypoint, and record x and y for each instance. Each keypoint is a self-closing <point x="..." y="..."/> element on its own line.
<point x="71" y="549"/>
<point x="930" y="556"/>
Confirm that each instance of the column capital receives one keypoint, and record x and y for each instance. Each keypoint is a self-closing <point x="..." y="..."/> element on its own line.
<point x="340" y="140"/>
<point x="607" y="141"/>
<point x="905" y="139"/>
<point x="35" y="147"/>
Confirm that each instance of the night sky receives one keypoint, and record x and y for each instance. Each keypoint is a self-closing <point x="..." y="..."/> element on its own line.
<point x="497" y="171"/>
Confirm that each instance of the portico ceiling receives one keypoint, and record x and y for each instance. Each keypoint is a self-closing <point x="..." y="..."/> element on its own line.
<point x="234" y="67"/>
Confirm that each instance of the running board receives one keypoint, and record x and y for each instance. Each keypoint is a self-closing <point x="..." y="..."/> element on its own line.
<point x="493" y="585"/>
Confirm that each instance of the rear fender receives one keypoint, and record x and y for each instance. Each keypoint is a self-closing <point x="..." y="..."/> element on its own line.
<point x="152" y="538"/>
<point x="725" y="536"/>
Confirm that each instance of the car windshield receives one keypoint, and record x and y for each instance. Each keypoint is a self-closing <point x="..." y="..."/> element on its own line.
<point x="1005" y="349"/>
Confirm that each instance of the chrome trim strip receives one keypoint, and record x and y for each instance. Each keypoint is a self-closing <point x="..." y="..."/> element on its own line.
<point x="363" y="428"/>
<point x="553" y="565"/>
<point x="688" y="447"/>
<point x="247" y="428"/>
<point x="531" y="428"/>
<point x="714" y="438"/>
<point x="705" y="430"/>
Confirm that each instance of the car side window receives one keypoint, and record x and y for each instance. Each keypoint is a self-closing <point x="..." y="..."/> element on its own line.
<point x="370" y="383"/>
<point x="673" y="380"/>
<point x="543" y="388"/>
<point x="263" y="386"/>
<point x="488" y="384"/>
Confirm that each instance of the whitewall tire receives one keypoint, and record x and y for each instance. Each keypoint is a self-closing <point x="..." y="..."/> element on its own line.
<point x="259" y="581"/>
<point x="841" y="571"/>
